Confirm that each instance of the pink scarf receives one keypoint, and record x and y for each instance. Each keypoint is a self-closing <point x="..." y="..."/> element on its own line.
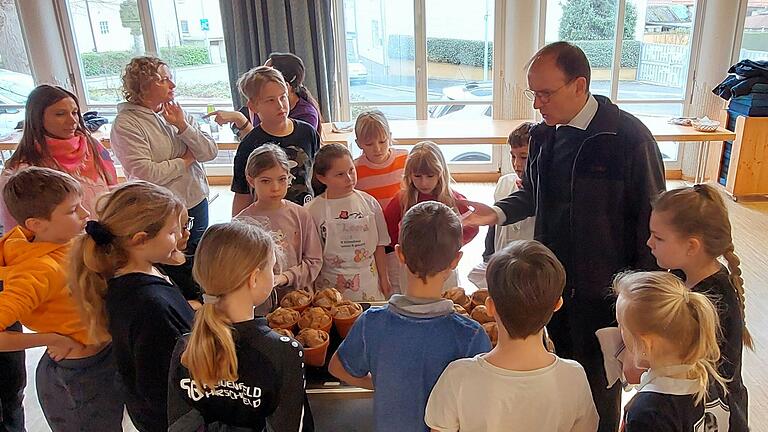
<point x="75" y="157"/>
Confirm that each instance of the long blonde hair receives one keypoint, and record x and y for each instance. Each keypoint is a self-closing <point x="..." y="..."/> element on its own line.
<point x="658" y="303"/>
<point x="227" y="255"/>
<point x="129" y="209"/>
<point x="699" y="211"/>
<point x="252" y="82"/>
<point x="426" y="158"/>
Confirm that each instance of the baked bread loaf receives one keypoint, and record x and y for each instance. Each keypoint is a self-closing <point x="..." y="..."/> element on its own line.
<point x="481" y="315"/>
<point x="327" y="298"/>
<point x="312" y="338"/>
<point x="296" y="299"/>
<point x="282" y="318"/>
<point x="316" y="318"/>
<point x="346" y="309"/>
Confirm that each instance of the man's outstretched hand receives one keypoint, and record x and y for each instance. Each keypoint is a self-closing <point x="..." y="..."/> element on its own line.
<point x="479" y="214"/>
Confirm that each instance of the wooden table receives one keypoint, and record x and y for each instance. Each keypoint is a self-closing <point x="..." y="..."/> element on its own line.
<point x="459" y="132"/>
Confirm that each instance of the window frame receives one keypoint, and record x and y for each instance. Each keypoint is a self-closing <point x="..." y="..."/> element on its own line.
<point x="422" y="103"/>
<point x="149" y="35"/>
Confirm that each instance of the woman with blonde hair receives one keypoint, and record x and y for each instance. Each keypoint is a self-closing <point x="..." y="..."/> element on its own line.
<point x="673" y="333"/>
<point x="233" y="370"/>
<point x="156" y="141"/>
<point x="122" y="295"/>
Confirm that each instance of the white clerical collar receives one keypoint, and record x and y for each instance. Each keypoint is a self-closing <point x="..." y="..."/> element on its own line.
<point x="585" y="116"/>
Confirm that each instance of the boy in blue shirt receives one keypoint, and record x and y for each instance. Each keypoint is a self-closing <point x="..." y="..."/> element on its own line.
<point x="401" y="349"/>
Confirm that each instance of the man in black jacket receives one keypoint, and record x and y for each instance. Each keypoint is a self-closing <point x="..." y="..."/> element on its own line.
<point x="592" y="173"/>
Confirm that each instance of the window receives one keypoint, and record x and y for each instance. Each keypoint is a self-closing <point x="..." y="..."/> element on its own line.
<point x="104" y="27"/>
<point x="754" y="41"/>
<point x="188" y="35"/>
<point x="16" y="80"/>
<point x="651" y="77"/>
<point x="103" y="55"/>
<point x="457" y="74"/>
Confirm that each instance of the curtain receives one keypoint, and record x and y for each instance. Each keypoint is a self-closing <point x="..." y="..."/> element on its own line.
<point x="255" y="28"/>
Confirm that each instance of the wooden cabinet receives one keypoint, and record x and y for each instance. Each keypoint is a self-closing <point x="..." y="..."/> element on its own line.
<point x="741" y="165"/>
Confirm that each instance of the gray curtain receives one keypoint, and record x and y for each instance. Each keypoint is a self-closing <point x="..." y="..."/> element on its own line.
<point x="255" y="28"/>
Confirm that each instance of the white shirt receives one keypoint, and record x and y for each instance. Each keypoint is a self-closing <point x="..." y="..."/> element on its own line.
<point x="473" y="395"/>
<point x="579" y="121"/>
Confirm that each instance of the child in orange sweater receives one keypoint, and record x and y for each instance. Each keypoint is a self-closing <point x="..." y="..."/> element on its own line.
<point x="76" y="376"/>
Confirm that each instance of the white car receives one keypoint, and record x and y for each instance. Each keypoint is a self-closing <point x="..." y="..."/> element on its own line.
<point x="14" y="88"/>
<point x="357" y="73"/>
<point x="471" y="91"/>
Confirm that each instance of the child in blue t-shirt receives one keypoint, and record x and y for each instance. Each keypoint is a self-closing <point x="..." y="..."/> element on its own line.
<point x="402" y="348"/>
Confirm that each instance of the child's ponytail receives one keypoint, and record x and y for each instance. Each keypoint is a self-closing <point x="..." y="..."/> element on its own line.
<point x="210" y="355"/>
<point x="704" y="353"/>
<point x="226" y="257"/>
<point x="737" y="281"/>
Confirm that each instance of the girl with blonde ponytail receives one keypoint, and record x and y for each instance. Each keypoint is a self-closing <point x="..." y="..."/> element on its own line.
<point x="672" y="332"/>
<point x="233" y="370"/>
<point x="690" y="231"/>
<point x="121" y="293"/>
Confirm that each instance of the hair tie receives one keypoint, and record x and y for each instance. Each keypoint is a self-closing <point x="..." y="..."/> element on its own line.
<point x="99" y="233"/>
<point x="210" y="299"/>
<point x="686" y="296"/>
<point x="698" y="187"/>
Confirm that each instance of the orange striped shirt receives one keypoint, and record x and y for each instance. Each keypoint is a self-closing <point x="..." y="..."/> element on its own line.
<point x="382" y="181"/>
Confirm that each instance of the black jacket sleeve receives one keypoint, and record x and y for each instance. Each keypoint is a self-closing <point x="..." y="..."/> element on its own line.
<point x="521" y="204"/>
<point x="292" y="412"/>
<point x="645" y="184"/>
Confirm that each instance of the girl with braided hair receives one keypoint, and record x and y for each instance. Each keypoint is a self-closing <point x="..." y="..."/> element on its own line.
<point x="690" y="231"/>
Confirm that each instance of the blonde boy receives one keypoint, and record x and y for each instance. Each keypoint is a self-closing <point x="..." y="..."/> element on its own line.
<point x="519" y="382"/>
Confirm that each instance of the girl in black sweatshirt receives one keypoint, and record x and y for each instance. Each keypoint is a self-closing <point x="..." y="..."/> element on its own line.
<point x="123" y="295"/>
<point x="233" y="371"/>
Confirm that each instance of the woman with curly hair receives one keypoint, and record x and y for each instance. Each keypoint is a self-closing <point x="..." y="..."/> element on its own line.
<point x="156" y="141"/>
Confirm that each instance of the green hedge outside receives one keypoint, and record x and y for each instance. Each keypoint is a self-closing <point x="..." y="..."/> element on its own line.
<point x="470" y="52"/>
<point x="600" y="52"/>
<point x="440" y="50"/>
<point x="113" y="62"/>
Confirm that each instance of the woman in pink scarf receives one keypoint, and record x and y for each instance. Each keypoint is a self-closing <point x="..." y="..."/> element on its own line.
<point x="55" y="137"/>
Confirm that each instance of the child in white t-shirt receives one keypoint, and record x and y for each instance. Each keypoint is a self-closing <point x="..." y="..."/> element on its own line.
<point x="519" y="382"/>
<point x="500" y="236"/>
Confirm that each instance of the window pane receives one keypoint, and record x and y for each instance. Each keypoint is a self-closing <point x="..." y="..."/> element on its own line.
<point x="754" y="42"/>
<point x="190" y="39"/>
<point x="380" y="50"/>
<point x="592" y="26"/>
<point x="393" y="112"/>
<point x="658" y="50"/>
<point x="459" y="51"/>
<point x="15" y="76"/>
<point x="102" y="54"/>
<point x="669" y="150"/>
<point x="466" y="153"/>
